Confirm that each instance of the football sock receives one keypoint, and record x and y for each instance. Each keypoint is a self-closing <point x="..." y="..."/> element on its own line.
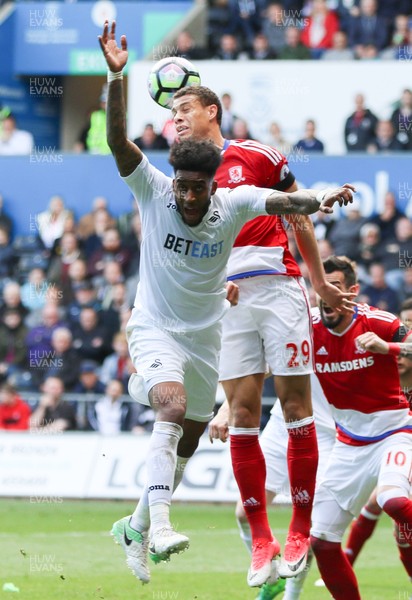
<point x="249" y="469"/>
<point x="400" y="509"/>
<point x="140" y="519"/>
<point x="302" y="457"/>
<point x="335" y="569"/>
<point x="161" y="465"/>
<point x="361" y="530"/>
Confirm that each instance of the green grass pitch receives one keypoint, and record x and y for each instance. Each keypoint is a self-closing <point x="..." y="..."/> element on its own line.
<point x="59" y="551"/>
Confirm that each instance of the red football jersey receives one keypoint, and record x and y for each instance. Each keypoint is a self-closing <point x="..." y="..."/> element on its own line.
<point x="363" y="388"/>
<point x="246" y="162"/>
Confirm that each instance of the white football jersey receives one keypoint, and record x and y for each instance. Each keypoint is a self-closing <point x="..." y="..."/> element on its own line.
<point x="182" y="268"/>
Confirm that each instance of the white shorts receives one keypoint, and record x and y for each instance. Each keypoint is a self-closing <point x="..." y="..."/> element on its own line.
<point x="351" y="475"/>
<point x="270" y="325"/>
<point x="274" y="443"/>
<point x="189" y="358"/>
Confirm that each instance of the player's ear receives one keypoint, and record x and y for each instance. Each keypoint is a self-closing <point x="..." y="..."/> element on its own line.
<point x="214" y="187"/>
<point x="355" y="288"/>
<point x="212" y="111"/>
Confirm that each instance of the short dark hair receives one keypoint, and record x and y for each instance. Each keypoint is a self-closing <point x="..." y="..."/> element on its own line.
<point x="195" y="155"/>
<point x="205" y="96"/>
<point x="344" y="265"/>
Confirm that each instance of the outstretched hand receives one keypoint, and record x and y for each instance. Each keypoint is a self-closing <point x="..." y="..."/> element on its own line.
<point x="342" y="195"/>
<point x="116" y="57"/>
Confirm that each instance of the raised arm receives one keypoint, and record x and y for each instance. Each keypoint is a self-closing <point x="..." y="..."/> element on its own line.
<point x="125" y="152"/>
<point x="306" y="202"/>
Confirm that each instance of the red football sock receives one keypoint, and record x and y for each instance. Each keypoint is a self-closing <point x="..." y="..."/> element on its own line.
<point x="360" y="531"/>
<point x="302" y="459"/>
<point x="400" y="509"/>
<point x="249" y="469"/>
<point x="335" y="569"/>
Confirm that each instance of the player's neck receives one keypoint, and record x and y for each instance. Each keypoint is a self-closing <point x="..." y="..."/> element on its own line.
<point x="344" y="324"/>
<point x="217" y="138"/>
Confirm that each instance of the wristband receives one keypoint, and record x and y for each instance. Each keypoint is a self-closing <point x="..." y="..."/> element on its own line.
<point x="394" y="349"/>
<point x="112" y="76"/>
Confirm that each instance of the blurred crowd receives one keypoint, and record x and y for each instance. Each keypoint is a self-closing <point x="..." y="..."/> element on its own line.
<point x="67" y="291"/>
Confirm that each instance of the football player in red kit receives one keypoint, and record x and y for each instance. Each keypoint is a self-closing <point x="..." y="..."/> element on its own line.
<point x="374" y="426"/>
<point x="270" y="325"/>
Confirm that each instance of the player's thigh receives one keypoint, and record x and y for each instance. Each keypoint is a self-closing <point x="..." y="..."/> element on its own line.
<point x="274" y="443"/>
<point x="242" y="346"/>
<point x="396" y="463"/>
<point x="350" y="476"/>
<point x="284" y="323"/>
<point x="202" y="375"/>
<point x="329" y="519"/>
<point x="157" y="355"/>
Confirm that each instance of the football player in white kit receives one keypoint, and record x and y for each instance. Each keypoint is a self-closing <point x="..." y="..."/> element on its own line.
<point x="174" y="333"/>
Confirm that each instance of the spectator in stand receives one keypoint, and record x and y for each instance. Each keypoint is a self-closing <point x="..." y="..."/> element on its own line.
<point x="111" y="415"/>
<point x="94" y="139"/>
<point x="274" y="27"/>
<point x="397" y="254"/>
<point x="58" y="271"/>
<point x="406" y="288"/>
<point x="378" y="293"/>
<point x="370" y="249"/>
<point x="13" y="140"/>
<point x="89" y="380"/>
<point x="51" y="221"/>
<point x="91" y="340"/>
<point x="53" y="414"/>
<point x="260" y="49"/>
<point x="402" y="120"/>
<point x="39" y="338"/>
<point x="405" y="52"/>
<point x="12" y="299"/>
<point x="5" y="220"/>
<point x="112" y="250"/>
<point x="14" y="412"/>
<point x="85" y="295"/>
<point x="64" y="362"/>
<point x="13" y="351"/>
<point x="115" y="366"/>
<point x="385" y="140"/>
<point x="241" y="130"/>
<point x="112" y="274"/>
<point x="294" y="49"/>
<point x="309" y="143"/>
<point x="368" y="33"/>
<point x="34" y="291"/>
<point x="85" y="226"/>
<point x="360" y="127"/>
<point x="228" y="116"/>
<point x="8" y="258"/>
<point x="245" y="19"/>
<point x="102" y="221"/>
<point x="399" y="39"/>
<point x="186" y="48"/>
<point x="150" y="140"/>
<point x="345" y="233"/>
<point x="275" y="138"/>
<point x="77" y="274"/>
<point x="387" y="219"/>
<point x="406" y="313"/>
<point x="339" y="49"/>
<point x="228" y="48"/>
<point x="389" y="9"/>
<point x="320" y="26"/>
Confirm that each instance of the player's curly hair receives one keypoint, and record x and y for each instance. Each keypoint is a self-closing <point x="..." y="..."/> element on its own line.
<point x="205" y="96"/>
<point x="344" y="265"/>
<point x="195" y="155"/>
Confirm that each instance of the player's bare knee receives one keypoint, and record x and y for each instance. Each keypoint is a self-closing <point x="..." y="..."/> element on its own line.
<point x="244" y="416"/>
<point x="294" y="409"/>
